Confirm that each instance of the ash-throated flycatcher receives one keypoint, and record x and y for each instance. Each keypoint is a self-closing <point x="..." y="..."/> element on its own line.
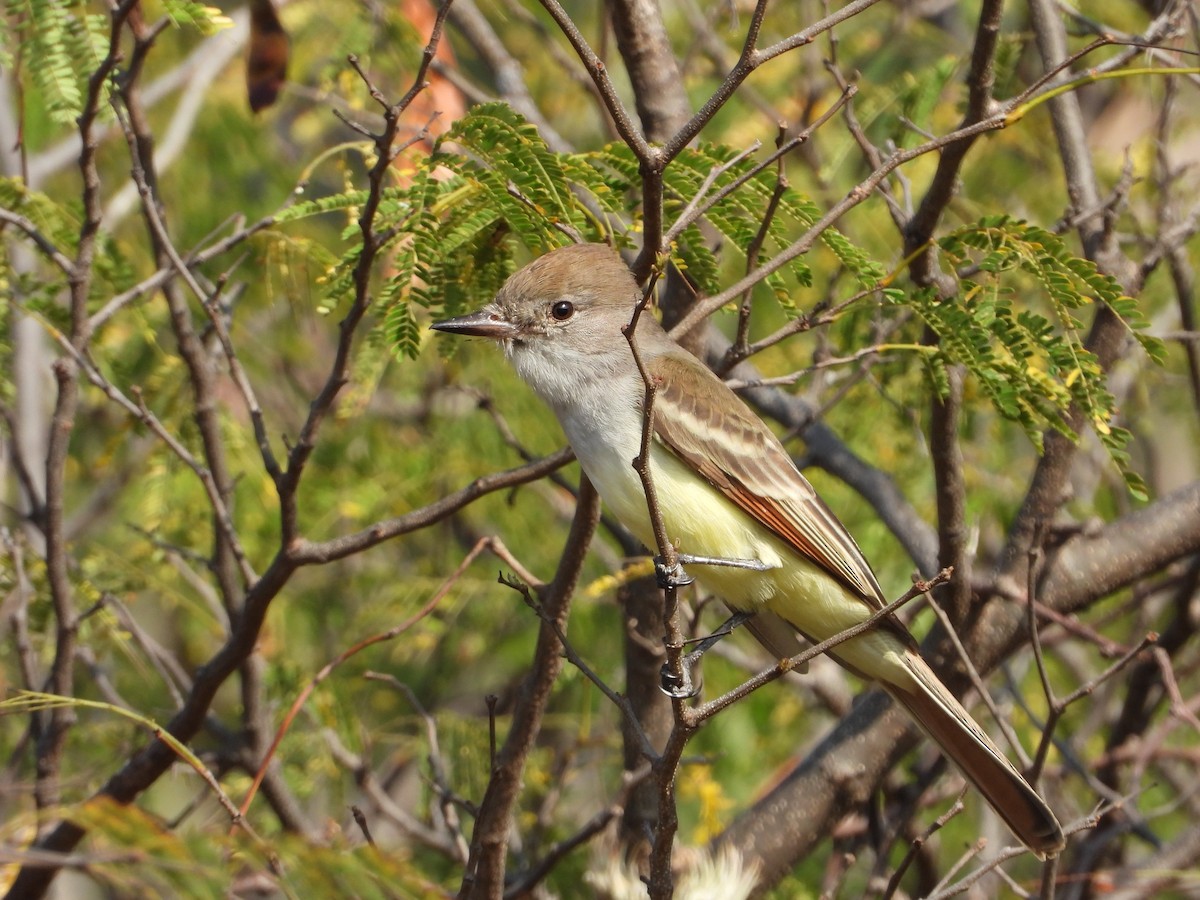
<point x="727" y="488"/>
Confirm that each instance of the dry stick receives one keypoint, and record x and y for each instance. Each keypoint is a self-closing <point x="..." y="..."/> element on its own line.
<point x="137" y="408"/>
<point x="751" y="58"/>
<point x="360" y="819"/>
<point x="737" y="350"/>
<point x="58" y="721"/>
<point x="917" y="843"/>
<point x="441" y="783"/>
<point x="973" y="851"/>
<point x="27" y="658"/>
<point x="365" y="778"/>
<point x="942" y="892"/>
<point x="701" y="202"/>
<point x="576" y="659"/>
<point x="227" y="542"/>
<point x="1180" y="709"/>
<point x="520" y="887"/>
<point x="306" y="553"/>
<point x="1180" y="267"/>
<point x="977" y="682"/>
<point x="21" y="467"/>
<point x="165" y="273"/>
<point x="899" y="213"/>
<point x="1060" y="706"/>
<point x="1056" y="706"/>
<point x="44" y="244"/>
<point x="1049" y="872"/>
<point x="706" y="307"/>
<point x="484" y="873"/>
<point x="822" y="314"/>
<point x="169" y="668"/>
<point x="1049" y="877"/>
<point x="695" y="209"/>
<point x="472" y="25"/>
<point x="328" y="669"/>
<point x="661" y="883"/>
<point x="696" y="716"/>
<point x="831" y="362"/>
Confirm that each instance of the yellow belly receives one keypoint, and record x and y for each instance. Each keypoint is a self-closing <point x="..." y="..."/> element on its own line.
<point x="699" y="520"/>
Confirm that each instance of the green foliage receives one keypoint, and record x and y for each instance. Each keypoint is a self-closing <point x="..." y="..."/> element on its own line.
<point x="493" y="183"/>
<point x="171" y="863"/>
<point x="60" y="45"/>
<point x="205" y="19"/>
<point x="55" y="221"/>
<point x="49" y="33"/>
<point x="518" y="174"/>
<point x="453" y="236"/>
<point x="1032" y="365"/>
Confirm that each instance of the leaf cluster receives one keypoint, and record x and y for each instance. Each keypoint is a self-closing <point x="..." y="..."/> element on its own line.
<point x="493" y="185"/>
<point x="1029" y="356"/>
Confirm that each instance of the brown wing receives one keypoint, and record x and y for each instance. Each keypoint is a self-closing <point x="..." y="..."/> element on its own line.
<point x="737" y="454"/>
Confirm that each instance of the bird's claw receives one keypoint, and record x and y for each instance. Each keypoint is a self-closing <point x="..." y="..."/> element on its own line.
<point x="678" y="686"/>
<point x="670" y="576"/>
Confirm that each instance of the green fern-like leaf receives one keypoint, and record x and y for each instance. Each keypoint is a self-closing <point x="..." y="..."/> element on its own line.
<point x="45" y="26"/>
<point x="53" y="220"/>
<point x="321" y="205"/>
<point x="205" y="19"/>
<point x="693" y="257"/>
<point x="523" y="178"/>
<point x="1033" y="367"/>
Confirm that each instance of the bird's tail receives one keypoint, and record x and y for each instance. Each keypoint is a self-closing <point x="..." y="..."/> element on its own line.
<point x="945" y="720"/>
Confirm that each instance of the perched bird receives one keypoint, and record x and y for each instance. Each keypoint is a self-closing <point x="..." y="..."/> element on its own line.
<point x="727" y="488"/>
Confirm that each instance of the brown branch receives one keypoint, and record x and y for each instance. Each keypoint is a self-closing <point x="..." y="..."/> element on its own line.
<point x="980" y="104"/>
<point x="446" y="799"/>
<point x="359" y="646"/>
<point x="598" y="72"/>
<point x="228" y="554"/>
<point x="484" y="876"/>
<point x="529" y="879"/>
<point x="52" y="738"/>
<point x="306" y="553"/>
<point x="662" y="104"/>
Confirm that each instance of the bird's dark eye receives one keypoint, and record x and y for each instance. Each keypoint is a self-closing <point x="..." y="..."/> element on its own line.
<point x="562" y="310"/>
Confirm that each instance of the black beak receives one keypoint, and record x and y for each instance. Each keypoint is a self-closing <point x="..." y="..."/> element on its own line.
<point x="487" y="323"/>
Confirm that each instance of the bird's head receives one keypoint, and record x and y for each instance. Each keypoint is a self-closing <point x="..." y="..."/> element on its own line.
<point x="561" y="316"/>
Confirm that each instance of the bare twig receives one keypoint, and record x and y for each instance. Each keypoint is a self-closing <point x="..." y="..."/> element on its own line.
<point x="484" y="875"/>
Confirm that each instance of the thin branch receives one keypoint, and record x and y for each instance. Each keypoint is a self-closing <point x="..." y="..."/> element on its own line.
<point x="352" y="651"/>
<point x="699" y="714"/>
<point x="484" y="875"/>
<point x="529" y="879"/>
<point x="306" y="553"/>
<point x="53" y="737"/>
<point x="43" y="243"/>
